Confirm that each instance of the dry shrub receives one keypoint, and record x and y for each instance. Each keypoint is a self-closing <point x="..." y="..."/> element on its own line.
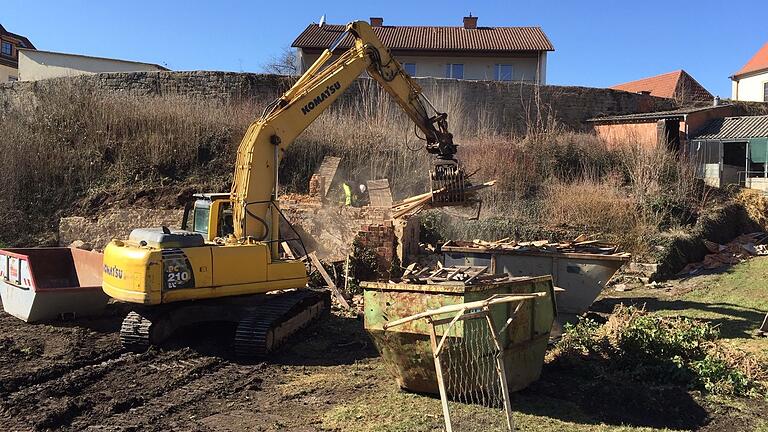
<point x="756" y="205"/>
<point x="599" y="204"/>
<point x="64" y="142"/>
<point x="665" y="184"/>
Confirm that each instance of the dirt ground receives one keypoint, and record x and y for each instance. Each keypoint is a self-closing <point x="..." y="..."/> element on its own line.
<point x="73" y="376"/>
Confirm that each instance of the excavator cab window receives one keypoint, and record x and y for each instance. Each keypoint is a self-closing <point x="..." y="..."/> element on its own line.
<point x="200" y="216"/>
<point x="227" y="225"/>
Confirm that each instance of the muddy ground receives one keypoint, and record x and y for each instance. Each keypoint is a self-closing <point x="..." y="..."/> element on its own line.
<point x="73" y="376"/>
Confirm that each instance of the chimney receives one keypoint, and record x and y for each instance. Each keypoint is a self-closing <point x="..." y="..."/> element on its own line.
<point x="470" y="22"/>
<point x="716" y="101"/>
<point x="377" y="21"/>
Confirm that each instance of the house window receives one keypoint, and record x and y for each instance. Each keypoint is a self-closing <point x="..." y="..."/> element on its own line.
<point x="765" y="92"/>
<point x="7" y="48"/>
<point x="454" y="70"/>
<point x="410" y="68"/>
<point x="503" y="72"/>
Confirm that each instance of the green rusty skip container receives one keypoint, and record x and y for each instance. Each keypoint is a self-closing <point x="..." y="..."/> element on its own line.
<point x="407" y="351"/>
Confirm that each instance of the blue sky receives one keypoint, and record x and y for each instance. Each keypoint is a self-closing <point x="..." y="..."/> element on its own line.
<point x="597" y="43"/>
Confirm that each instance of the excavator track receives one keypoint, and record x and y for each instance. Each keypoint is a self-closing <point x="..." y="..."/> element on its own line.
<point x="135" y="332"/>
<point x="264" y="321"/>
<point x="268" y="327"/>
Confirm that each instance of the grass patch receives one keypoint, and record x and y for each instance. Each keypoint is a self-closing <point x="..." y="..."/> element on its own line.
<point x="385" y="408"/>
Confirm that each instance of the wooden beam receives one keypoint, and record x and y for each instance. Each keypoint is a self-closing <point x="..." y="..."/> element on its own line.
<point x="287" y="250"/>
<point x="332" y="286"/>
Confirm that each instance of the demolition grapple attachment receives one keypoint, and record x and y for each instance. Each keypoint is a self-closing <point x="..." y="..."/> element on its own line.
<point x="449" y="183"/>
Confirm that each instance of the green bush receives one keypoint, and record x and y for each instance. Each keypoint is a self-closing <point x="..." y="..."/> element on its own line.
<point x="650" y="348"/>
<point x="363" y="266"/>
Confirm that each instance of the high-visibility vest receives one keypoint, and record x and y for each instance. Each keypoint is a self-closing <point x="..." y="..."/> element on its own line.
<point x="347" y="194"/>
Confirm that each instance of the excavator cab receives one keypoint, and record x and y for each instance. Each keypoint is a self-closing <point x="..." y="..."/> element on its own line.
<point x="210" y="215"/>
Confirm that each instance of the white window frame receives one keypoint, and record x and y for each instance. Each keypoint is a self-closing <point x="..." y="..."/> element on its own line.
<point x="497" y="72"/>
<point x="415" y="69"/>
<point x="451" y="73"/>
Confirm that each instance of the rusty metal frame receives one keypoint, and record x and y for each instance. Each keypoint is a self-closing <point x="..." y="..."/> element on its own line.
<point x="467" y="311"/>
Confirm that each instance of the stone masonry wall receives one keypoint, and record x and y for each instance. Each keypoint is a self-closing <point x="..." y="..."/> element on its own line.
<point x="510" y="106"/>
<point x="114" y="223"/>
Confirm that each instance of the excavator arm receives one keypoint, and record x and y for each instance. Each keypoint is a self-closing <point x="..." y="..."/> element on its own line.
<point x="254" y="189"/>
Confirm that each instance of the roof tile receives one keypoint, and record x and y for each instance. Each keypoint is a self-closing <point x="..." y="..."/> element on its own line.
<point x="434" y="38"/>
<point x="757" y="63"/>
<point x="668" y="85"/>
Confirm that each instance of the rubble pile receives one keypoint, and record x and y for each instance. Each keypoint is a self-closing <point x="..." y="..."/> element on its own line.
<point x="577" y="245"/>
<point x="451" y="275"/>
<point x="740" y="249"/>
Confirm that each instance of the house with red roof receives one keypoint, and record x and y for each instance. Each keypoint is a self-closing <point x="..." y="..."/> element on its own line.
<point x="678" y="85"/>
<point x="460" y="52"/>
<point x="750" y="83"/>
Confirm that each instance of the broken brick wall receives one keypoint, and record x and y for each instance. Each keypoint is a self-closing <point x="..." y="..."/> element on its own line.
<point x="380" y="239"/>
<point x="327" y="227"/>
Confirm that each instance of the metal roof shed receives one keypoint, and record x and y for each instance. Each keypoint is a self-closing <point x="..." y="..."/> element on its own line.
<point x="733" y="150"/>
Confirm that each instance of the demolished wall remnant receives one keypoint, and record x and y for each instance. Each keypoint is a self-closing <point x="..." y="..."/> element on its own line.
<point x="380" y="239"/>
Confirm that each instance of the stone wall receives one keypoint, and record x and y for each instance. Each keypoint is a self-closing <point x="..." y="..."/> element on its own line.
<point x="506" y="106"/>
<point x="114" y="223"/>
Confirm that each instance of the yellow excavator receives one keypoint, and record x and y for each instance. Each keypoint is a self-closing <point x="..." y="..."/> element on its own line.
<point x="224" y="264"/>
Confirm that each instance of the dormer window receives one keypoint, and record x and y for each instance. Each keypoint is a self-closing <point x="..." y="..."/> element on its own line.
<point x="7" y="49"/>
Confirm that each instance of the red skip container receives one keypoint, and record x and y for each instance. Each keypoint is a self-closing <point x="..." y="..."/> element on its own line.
<point x="43" y="284"/>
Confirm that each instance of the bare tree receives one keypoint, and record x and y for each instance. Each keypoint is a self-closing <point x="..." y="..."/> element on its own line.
<point x="284" y="63"/>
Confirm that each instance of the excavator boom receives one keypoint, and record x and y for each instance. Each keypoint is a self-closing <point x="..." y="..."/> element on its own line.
<point x="254" y="189"/>
<point x="179" y="277"/>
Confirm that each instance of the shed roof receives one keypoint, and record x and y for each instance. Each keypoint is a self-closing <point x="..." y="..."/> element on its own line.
<point x="757" y="63"/>
<point x="424" y="38"/>
<point x="734" y="128"/>
<point x="656" y="115"/>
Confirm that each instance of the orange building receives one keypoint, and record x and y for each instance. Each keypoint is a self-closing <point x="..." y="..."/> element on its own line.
<point x="667" y="128"/>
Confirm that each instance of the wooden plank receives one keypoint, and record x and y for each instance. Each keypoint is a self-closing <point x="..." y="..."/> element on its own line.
<point x="440" y="382"/>
<point x="501" y="370"/>
<point x="346" y="274"/>
<point x="474" y="276"/>
<point x="287" y="250"/>
<point x="332" y="286"/>
<point x="328" y="169"/>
